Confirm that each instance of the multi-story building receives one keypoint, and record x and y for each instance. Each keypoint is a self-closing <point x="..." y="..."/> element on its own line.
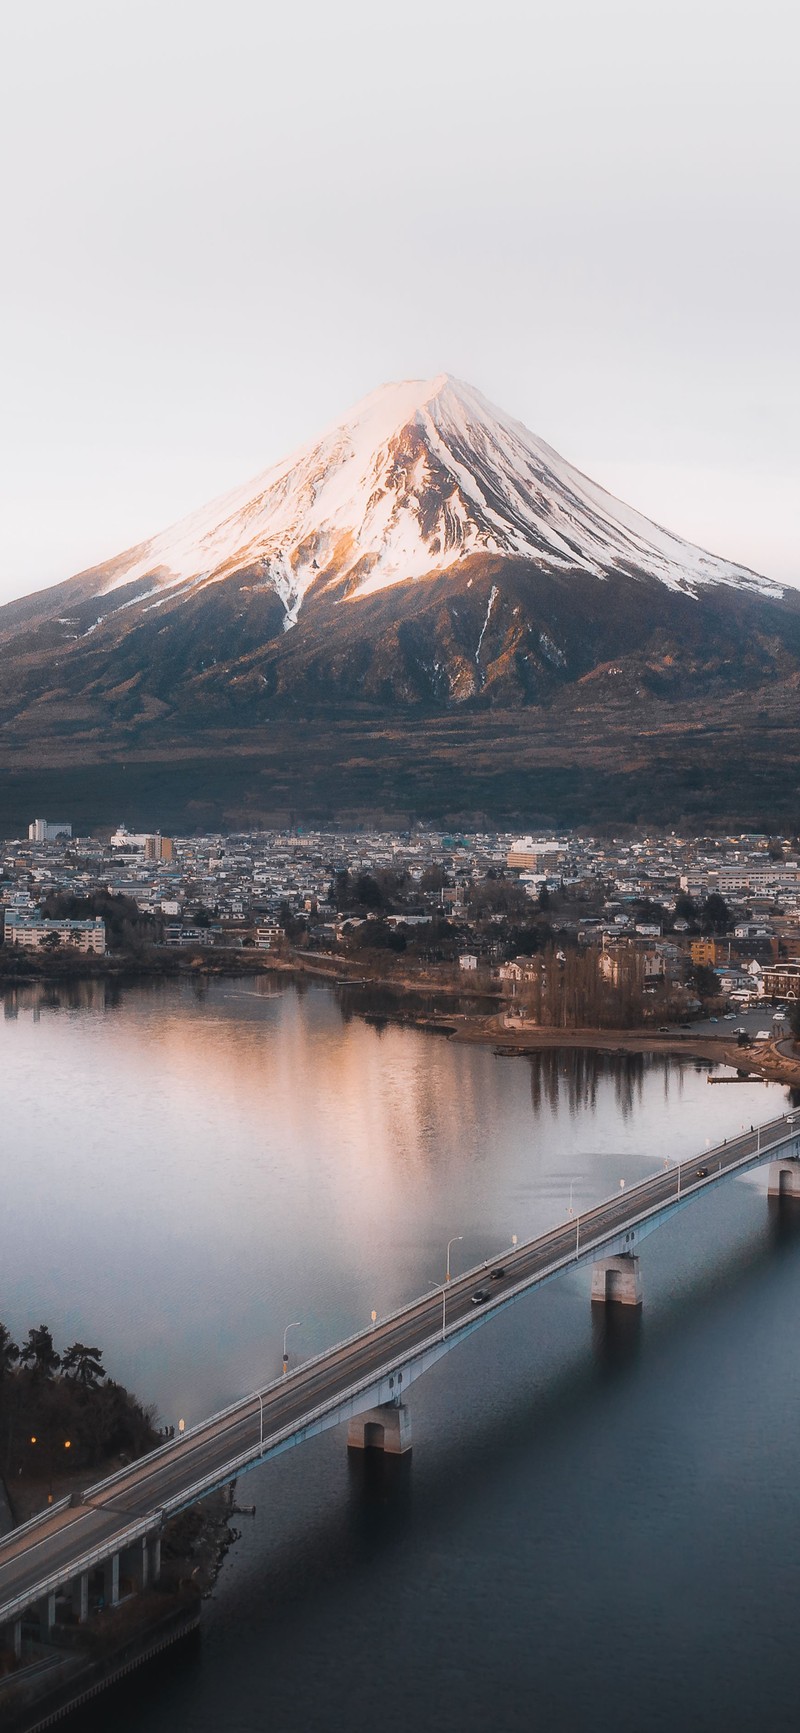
<point x="704" y="953"/>
<point x="268" y="937"/>
<point x="159" y="848"/>
<point x="34" y="933"/>
<point x="527" y="855"/>
<point x="782" y="981"/>
<point x="42" y="830"/>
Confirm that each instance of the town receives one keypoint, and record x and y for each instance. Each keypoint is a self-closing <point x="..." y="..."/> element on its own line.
<point x="564" y="930"/>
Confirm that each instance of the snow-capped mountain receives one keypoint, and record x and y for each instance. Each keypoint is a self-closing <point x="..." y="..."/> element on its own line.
<point x="426" y="551"/>
<point x="414" y="480"/>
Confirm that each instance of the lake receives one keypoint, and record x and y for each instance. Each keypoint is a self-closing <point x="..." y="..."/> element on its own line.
<point x="598" y="1522"/>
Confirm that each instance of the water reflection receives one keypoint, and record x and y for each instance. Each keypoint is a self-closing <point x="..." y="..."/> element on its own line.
<point x="616" y="1337"/>
<point x="572" y="1076"/>
<point x="198" y="1162"/>
<point x="784" y="1222"/>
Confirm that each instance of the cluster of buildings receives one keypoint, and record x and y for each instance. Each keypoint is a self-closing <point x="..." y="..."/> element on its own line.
<point x="649" y="895"/>
<point x="29" y="930"/>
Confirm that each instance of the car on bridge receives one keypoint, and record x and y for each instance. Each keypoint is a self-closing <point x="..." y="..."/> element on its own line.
<point x="480" y="1296"/>
<point x="498" y="1274"/>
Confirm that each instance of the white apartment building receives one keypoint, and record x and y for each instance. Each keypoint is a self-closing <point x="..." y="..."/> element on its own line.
<point x="42" y="830"/>
<point x="33" y="933"/>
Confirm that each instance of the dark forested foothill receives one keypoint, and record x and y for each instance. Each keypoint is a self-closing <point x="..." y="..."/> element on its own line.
<point x="61" y="1412"/>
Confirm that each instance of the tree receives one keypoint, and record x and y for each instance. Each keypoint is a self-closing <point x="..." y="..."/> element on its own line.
<point x="647" y="911"/>
<point x="83" y="1364"/>
<point x="379" y="936"/>
<point x="293" y="924"/>
<point x="368" y="892"/>
<point x="341" y="891"/>
<point x="39" y="1353"/>
<point x="715" y="914"/>
<point x="706" y="981"/>
<point x="9" y="1352"/>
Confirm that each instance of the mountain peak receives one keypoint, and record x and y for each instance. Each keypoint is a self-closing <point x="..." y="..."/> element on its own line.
<point x="416" y="478"/>
<point x="424" y="550"/>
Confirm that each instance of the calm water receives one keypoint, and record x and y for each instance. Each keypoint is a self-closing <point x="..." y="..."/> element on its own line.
<point x="598" y="1526"/>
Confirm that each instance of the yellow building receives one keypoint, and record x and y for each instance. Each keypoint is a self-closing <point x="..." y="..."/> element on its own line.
<point x="704" y="953"/>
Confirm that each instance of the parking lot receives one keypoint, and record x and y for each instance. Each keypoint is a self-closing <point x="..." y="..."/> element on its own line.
<point x="759" y="1017"/>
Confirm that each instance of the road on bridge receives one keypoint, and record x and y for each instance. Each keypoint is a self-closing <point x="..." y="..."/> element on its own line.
<point x="162" y="1479"/>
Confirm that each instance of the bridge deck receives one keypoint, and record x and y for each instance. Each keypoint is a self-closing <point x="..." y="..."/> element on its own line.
<point x="374" y="1365"/>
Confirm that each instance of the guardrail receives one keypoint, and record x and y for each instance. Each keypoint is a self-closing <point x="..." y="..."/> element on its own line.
<point x="84" y="1562"/>
<point x="242" y="1403"/>
<point x="40" y="1517"/>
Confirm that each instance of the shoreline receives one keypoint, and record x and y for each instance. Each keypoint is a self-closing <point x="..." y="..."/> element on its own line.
<point x="768" y="1061"/>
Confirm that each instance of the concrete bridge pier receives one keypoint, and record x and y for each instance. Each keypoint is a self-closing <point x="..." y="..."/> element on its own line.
<point x="154" y="1561"/>
<point x="135" y="1563"/>
<point x="617" y="1279"/>
<point x="11" y="1637"/>
<point x="80" y="1597"/>
<point x="47" y="1616"/>
<point x="784" y="1178"/>
<point x="387" y="1428"/>
<point x="111" y="1581"/>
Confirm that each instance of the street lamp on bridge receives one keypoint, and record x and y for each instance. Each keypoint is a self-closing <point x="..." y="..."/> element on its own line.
<point x="293" y="1326"/>
<point x="449" y="1244"/>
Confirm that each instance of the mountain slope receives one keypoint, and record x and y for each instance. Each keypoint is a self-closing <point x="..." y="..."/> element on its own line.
<point x="413" y="480"/>
<point x="425" y="554"/>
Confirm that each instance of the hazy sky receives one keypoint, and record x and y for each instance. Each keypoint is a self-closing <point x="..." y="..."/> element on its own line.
<point x="223" y="223"/>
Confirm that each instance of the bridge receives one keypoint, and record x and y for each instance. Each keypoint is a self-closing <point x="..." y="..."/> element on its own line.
<point x="110" y="1534"/>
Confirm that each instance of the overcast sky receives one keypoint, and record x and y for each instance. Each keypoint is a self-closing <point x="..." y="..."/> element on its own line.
<point x="223" y="223"/>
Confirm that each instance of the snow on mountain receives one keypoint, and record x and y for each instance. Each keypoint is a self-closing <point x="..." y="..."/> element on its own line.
<point x="417" y="477"/>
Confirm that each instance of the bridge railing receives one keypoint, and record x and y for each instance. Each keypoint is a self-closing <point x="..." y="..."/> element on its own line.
<point x="85" y="1561"/>
<point x="40" y="1517"/>
<point x="377" y="1376"/>
<point x="243" y="1403"/>
<point x="189" y="1495"/>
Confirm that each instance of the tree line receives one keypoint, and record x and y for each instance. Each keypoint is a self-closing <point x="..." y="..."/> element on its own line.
<point x="61" y="1411"/>
<point x="569" y="989"/>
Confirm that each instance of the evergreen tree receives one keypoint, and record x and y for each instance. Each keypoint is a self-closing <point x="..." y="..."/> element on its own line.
<point x="39" y="1353"/>
<point x="83" y="1364"/>
<point x="9" y="1352"/>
